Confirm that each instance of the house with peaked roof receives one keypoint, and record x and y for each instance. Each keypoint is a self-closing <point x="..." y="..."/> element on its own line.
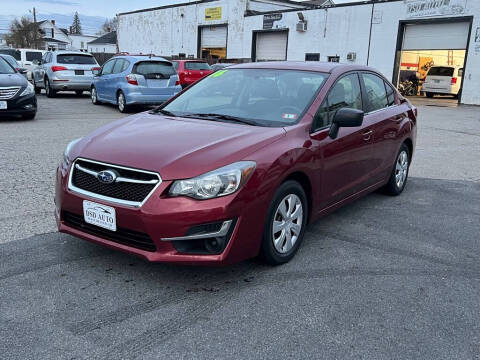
<point x="54" y="38"/>
<point x="104" y="44"/>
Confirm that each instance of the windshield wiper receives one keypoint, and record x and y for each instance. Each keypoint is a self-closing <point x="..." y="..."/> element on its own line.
<point x="213" y="116"/>
<point x="163" y="112"/>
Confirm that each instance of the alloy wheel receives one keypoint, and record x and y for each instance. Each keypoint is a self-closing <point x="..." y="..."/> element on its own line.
<point x="47" y="87"/>
<point x="121" y="102"/>
<point x="93" y="94"/>
<point x="287" y="223"/>
<point x="401" y="169"/>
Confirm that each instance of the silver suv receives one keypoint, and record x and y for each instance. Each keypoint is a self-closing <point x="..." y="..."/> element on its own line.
<point x="64" y="71"/>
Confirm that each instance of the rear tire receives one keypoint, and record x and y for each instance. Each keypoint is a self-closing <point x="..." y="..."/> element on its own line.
<point x="48" y="89"/>
<point x="399" y="176"/>
<point x="429" y="95"/>
<point x="122" y="102"/>
<point x="78" y="92"/>
<point x="285" y="224"/>
<point x="94" y="96"/>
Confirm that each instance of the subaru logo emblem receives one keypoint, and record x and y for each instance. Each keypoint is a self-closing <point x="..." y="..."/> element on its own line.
<point x="107" y="176"/>
<point x="157" y="76"/>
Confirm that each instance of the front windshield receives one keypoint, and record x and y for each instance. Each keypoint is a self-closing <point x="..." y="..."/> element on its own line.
<point x="6" y="68"/>
<point x="267" y="97"/>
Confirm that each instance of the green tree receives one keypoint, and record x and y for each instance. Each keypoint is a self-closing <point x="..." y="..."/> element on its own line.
<point x="76" y="26"/>
<point x="24" y="33"/>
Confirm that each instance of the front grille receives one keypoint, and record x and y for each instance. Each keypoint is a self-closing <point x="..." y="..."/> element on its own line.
<point x="122" y="236"/>
<point x="129" y="190"/>
<point x="7" y="93"/>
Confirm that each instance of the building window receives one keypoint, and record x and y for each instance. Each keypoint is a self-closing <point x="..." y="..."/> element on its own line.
<point x="312" y="57"/>
<point x="81" y="44"/>
<point x="335" y="58"/>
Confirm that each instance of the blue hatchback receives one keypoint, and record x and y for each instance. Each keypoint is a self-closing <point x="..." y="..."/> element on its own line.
<point x="135" y="80"/>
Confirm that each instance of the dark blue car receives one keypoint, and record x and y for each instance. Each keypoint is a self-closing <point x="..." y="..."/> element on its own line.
<point x="128" y="80"/>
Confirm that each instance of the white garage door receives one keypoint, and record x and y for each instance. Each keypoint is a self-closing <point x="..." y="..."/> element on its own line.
<point x="447" y="36"/>
<point x="271" y="46"/>
<point x="214" y="37"/>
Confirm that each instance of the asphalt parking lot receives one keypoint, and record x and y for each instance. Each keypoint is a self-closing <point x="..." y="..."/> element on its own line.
<point x="383" y="278"/>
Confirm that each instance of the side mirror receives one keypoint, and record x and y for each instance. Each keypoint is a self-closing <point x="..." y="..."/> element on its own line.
<point x="345" y="117"/>
<point x="22" y="71"/>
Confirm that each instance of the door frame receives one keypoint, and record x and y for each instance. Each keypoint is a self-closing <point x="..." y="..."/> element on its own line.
<point x="447" y="20"/>
<point x="254" y="41"/>
<point x="199" y="38"/>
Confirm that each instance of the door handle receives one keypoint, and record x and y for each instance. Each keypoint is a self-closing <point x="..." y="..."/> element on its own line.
<point x="367" y="135"/>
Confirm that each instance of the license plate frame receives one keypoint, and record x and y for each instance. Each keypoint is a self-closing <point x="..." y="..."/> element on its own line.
<point x="79" y="72"/>
<point x="3" y="105"/>
<point x="99" y="215"/>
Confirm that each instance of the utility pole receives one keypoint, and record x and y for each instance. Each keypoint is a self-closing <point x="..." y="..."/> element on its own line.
<point x="35" y="44"/>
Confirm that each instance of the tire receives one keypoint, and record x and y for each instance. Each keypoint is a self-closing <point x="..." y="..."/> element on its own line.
<point x="276" y="248"/>
<point x="399" y="176"/>
<point x="94" y="96"/>
<point x="122" y="102"/>
<point x="29" y="116"/>
<point x="78" y="92"/>
<point x="48" y="89"/>
<point x="36" y="88"/>
<point x="429" y="95"/>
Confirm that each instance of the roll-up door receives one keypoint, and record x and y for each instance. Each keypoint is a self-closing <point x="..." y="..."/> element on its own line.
<point x="214" y="37"/>
<point x="271" y="45"/>
<point x="440" y="36"/>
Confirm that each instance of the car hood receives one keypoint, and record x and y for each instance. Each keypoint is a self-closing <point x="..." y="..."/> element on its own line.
<point x="176" y="148"/>
<point x="12" y="80"/>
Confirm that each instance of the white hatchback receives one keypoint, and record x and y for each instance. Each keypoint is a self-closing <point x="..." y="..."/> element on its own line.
<point x="443" y="80"/>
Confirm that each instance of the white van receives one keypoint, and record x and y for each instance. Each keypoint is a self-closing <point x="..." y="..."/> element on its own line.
<point x="444" y="80"/>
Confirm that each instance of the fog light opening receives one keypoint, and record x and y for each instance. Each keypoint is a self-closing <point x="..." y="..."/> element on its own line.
<point x="215" y="245"/>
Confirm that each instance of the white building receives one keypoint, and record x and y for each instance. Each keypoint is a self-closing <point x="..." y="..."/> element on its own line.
<point x="392" y="36"/>
<point x="54" y="37"/>
<point x="79" y="42"/>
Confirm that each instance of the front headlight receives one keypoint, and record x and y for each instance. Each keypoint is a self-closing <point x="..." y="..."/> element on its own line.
<point x="28" y="91"/>
<point x="221" y="182"/>
<point x="66" y="153"/>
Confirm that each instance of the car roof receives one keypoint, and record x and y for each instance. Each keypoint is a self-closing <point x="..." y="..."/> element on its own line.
<point x="327" y="67"/>
<point x="190" y="60"/>
<point x="136" y="58"/>
<point x="73" y="52"/>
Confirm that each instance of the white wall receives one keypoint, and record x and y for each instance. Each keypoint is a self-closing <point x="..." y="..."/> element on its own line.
<point x="77" y="40"/>
<point x="333" y="31"/>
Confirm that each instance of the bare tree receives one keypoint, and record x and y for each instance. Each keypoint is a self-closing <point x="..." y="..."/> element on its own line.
<point x="24" y="33"/>
<point x="108" y="25"/>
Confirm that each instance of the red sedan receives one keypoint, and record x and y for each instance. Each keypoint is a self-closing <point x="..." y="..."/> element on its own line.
<point x="238" y="164"/>
<point x="190" y="71"/>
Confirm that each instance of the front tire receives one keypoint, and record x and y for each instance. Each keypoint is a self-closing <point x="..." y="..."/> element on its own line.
<point x="48" y="89"/>
<point x="285" y="224"/>
<point x="78" y="92"/>
<point x="429" y="95"/>
<point x="122" y="102"/>
<point x="37" y="89"/>
<point x="399" y="176"/>
<point x="29" y="116"/>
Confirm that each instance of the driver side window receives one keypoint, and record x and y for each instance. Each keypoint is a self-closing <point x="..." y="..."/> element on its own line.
<point x="345" y="93"/>
<point x="108" y="67"/>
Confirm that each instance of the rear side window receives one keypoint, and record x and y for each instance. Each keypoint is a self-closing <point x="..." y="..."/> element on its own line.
<point x="76" y="59"/>
<point x="6" y="68"/>
<point x="192" y="65"/>
<point x="440" y="71"/>
<point x="33" y="55"/>
<point x="154" y="69"/>
<point x="390" y="94"/>
<point x="376" y="93"/>
<point x="460" y="72"/>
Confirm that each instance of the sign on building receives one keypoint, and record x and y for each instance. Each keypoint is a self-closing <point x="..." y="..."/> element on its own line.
<point x="425" y="8"/>
<point x="214" y="13"/>
<point x="273" y="21"/>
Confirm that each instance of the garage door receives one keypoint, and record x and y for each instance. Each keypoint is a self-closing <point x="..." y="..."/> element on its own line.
<point x="446" y="36"/>
<point x="214" y="37"/>
<point x="271" y="46"/>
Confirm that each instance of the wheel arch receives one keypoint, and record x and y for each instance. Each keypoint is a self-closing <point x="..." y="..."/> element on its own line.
<point x="304" y="181"/>
<point x="409" y="144"/>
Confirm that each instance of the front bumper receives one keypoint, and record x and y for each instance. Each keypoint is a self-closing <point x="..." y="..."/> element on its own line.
<point x="162" y="218"/>
<point x="25" y="105"/>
